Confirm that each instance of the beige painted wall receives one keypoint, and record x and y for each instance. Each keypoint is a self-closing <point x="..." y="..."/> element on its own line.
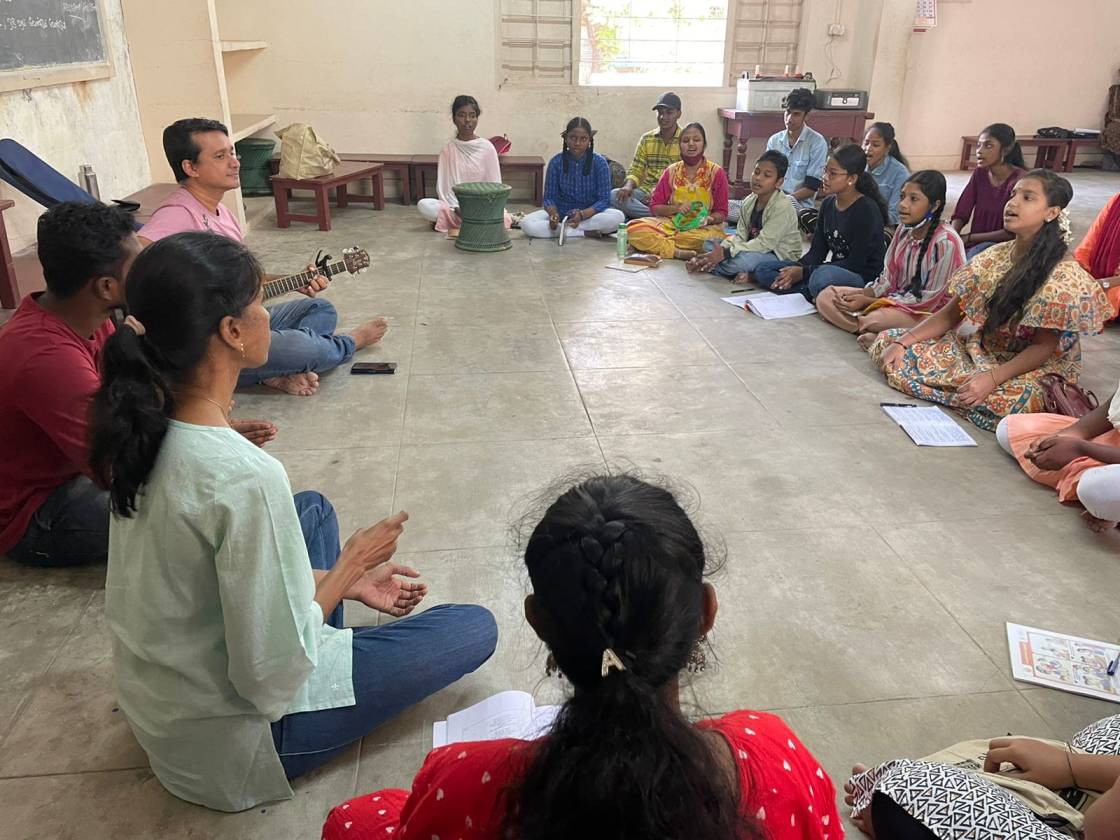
<point x="1023" y="62"/>
<point x="92" y="122"/>
<point x="385" y="75"/>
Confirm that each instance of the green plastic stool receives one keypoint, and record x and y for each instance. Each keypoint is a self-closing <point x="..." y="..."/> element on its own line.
<point x="482" y="208"/>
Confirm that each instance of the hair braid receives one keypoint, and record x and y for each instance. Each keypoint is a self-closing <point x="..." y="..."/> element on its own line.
<point x="589" y="158"/>
<point x="917" y="281"/>
<point x="602" y="577"/>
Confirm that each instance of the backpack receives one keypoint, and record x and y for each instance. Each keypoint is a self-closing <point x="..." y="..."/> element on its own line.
<point x="303" y="155"/>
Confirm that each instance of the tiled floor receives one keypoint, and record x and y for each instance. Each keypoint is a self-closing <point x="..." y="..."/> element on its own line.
<point x="867" y="581"/>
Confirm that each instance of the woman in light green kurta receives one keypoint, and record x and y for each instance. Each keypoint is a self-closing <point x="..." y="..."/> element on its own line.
<point x="218" y="582"/>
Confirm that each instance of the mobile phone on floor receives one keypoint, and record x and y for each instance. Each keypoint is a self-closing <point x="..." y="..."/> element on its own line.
<point x="373" y="367"/>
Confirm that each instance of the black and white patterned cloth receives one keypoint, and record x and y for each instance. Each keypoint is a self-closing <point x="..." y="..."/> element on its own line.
<point x="957" y="804"/>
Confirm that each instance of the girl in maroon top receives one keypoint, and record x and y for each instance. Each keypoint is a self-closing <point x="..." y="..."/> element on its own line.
<point x="619" y="598"/>
<point x="999" y="165"/>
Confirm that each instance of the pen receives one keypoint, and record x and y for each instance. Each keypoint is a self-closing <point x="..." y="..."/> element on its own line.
<point x="1113" y="665"/>
<point x="897" y="405"/>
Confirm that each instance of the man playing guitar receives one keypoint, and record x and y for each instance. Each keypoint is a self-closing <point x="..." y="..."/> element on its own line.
<point x="304" y="341"/>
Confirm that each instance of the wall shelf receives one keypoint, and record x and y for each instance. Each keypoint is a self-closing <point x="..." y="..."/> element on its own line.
<point x="242" y="46"/>
<point x="242" y="125"/>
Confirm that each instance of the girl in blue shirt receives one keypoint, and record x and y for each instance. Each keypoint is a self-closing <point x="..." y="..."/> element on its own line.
<point x="577" y="190"/>
<point x="887" y="165"/>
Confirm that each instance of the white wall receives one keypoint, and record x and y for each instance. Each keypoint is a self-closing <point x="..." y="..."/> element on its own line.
<point x="1023" y="62"/>
<point x="385" y="76"/>
<point x="93" y="122"/>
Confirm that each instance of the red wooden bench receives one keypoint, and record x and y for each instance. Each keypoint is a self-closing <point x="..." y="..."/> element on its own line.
<point x="424" y="167"/>
<point x="345" y="173"/>
<point x="1075" y="144"/>
<point x="400" y="165"/>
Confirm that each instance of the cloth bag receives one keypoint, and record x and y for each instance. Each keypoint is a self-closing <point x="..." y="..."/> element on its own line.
<point x="303" y="155"/>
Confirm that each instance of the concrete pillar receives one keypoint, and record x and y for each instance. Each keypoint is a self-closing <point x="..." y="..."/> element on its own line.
<point x="892" y="49"/>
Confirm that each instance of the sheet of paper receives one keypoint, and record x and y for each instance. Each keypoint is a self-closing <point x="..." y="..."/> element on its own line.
<point x="439" y="734"/>
<point x="738" y="301"/>
<point x="1067" y="663"/>
<point x="508" y="714"/>
<point x="928" y="425"/>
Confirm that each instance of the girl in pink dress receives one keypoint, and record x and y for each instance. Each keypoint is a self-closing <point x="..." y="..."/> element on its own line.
<point x="467" y="158"/>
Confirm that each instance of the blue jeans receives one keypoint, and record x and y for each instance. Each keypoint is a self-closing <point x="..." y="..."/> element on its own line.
<point x="302" y="340"/>
<point x="395" y="665"/>
<point x="70" y="528"/>
<point x="821" y="277"/>
<point x="635" y="207"/>
<point x="746" y="261"/>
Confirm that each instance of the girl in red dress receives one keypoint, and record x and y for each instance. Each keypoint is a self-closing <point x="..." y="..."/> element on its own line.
<point x="619" y="598"/>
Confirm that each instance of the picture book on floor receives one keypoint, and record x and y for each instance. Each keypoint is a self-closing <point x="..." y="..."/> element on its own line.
<point x="507" y="714"/>
<point x="771" y="306"/>
<point x="1067" y="663"/>
<point x="927" y="425"/>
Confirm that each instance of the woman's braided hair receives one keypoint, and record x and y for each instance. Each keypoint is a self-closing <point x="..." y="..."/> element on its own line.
<point x="616" y="564"/>
<point x="933" y="187"/>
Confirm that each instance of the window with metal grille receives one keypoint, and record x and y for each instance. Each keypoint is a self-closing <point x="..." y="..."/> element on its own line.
<point x="764" y="34"/>
<point x="536" y="40"/>
<point x="661" y="43"/>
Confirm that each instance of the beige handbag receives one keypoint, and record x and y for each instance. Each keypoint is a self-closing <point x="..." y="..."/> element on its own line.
<point x="303" y="155"/>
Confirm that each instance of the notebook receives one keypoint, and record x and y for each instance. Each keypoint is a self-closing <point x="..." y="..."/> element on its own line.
<point x="507" y="714"/>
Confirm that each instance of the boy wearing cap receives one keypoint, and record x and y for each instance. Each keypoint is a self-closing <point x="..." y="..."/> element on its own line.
<point x="656" y="150"/>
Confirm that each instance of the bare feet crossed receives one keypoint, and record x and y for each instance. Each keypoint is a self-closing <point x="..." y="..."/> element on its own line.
<point x="298" y="384"/>
<point x="370" y="332"/>
<point x="862" y="820"/>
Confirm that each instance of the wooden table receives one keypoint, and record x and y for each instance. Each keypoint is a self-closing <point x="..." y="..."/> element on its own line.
<point x="424" y="166"/>
<point x="740" y="126"/>
<point x="345" y="173"/>
<point x="1075" y="144"/>
<point x="1053" y="152"/>
<point x="9" y="292"/>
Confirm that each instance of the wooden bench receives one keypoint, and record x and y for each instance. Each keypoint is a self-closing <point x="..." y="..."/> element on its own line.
<point x="345" y="173"/>
<point x="400" y="165"/>
<point x="424" y="166"/>
<point x="1053" y="152"/>
<point x="1075" y="144"/>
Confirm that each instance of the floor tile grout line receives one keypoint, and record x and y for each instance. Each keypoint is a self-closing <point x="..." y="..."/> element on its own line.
<point x="1001" y="667"/>
<point x="572" y="374"/>
<point x="407" y="383"/>
<point x="26" y="700"/>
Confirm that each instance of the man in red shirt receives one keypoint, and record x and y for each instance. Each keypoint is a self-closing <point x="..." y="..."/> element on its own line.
<point x="51" y="513"/>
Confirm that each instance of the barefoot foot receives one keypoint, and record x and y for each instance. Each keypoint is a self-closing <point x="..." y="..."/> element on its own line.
<point x="741" y="279"/>
<point x="682" y="254"/>
<point x="861" y="820"/>
<point x="865" y="340"/>
<point x="298" y="384"/>
<point x="370" y="332"/>
<point x="1097" y="526"/>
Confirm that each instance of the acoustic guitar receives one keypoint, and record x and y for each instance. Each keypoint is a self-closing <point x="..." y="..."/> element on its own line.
<point x="354" y="261"/>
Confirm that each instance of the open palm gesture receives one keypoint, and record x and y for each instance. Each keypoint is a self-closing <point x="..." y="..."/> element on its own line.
<point x="383" y="589"/>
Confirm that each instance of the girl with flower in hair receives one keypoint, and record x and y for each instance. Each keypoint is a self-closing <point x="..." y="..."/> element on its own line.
<point x="1026" y="308"/>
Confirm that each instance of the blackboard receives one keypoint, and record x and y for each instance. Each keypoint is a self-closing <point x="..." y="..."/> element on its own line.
<point x="50" y="33"/>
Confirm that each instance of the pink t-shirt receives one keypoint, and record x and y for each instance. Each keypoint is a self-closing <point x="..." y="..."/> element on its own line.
<point x="182" y="212"/>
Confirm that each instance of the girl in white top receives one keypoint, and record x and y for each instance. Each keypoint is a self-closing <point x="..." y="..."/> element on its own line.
<point x="223" y="594"/>
<point x="467" y="158"/>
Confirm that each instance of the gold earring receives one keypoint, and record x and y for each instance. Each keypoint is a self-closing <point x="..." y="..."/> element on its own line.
<point x="551" y="668"/>
<point x="242" y="348"/>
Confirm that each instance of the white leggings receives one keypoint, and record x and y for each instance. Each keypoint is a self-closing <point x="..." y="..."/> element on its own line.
<point x="429" y="208"/>
<point x="607" y="221"/>
<point x="1098" y="490"/>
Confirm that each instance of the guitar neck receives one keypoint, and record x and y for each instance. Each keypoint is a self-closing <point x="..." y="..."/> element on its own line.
<point x="294" y="282"/>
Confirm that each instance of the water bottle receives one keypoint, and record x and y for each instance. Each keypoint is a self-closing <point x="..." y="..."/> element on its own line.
<point x="89" y="180"/>
<point x="622" y="242"/>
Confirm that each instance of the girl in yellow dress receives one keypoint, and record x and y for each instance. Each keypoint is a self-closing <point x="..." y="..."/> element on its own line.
<point x="1026" y="305"/>
<point x="689" y="203"/>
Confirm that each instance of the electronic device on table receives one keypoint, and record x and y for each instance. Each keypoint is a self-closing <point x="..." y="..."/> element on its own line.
<point x="768" y="93"/>
<point x="841" y="100"/>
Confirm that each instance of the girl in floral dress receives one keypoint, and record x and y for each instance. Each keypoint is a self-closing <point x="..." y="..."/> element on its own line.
<point x="689" y="203"/>
<point x="1023" y="308"/>
<point x="619" y="599"/>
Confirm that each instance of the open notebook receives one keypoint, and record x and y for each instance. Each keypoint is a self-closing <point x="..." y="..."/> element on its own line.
<point x="771" y="306"/>
<point x="508" y="714"/>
